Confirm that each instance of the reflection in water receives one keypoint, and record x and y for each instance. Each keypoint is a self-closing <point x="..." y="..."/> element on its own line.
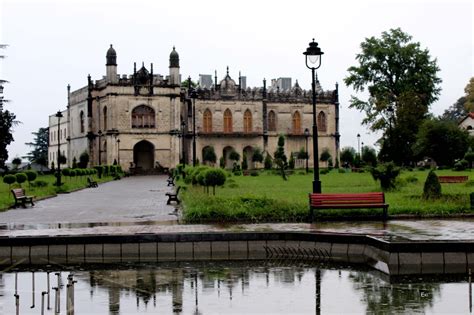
<point x="250" y="287"/>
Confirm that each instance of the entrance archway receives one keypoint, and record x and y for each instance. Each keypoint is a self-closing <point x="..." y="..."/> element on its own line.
<point x="144" y="155"/>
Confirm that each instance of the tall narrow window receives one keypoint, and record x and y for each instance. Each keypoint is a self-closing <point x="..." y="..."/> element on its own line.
<point x="322" y="126"/>
<point x="207" y="121"/>
<point x="296" y="123"/>
<point x="247" y="121"/>
<point x="81" y="117"/>
<point x="227" y="121"/>
<point x="105" y="118"/>
<point x="271" y="121"/>
<point x="143" y="117"/>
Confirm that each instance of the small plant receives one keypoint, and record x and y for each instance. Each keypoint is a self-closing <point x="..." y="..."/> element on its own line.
<point x="83" y="160"/>
<point x="268" y="163"/>
<point x="432" y="187"/>
<point x="31" y="176"/>
<point x="74" y="162"/>
<point x="461" y="165"/>
<point x="9" y="179"/>
<point x="280" y="157"/>
<point x="324" y="171"/>
<point x="411" y="179"/>
<point x="21" y="178"/>
<point x="387" y="174"/>
<point x="254" y="173"/>
<point x="245" y="164"/>
<point x="291" y="162"/>
<point x="214" y="177"/>
<point x="222" y="162"/>
<point x="39" y="183"/>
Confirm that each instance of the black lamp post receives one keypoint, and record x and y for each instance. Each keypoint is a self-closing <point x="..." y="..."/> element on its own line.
<point x="183" y="154"/>
<point x="306" y="136"/>
<point x="313" y="56"/>
<point x="118" y="151"/>
<point x="193" y="97"/>
<point x="59" y="115"/>
<point x="100" y="136"/>
<point x="358" y="144"/>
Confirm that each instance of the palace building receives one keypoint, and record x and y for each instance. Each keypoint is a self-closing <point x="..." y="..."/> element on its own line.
<point x="146" y="121"/>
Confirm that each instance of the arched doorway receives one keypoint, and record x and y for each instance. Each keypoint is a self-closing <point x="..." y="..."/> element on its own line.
<point x="248" y="152"/>
<point x="226" y="154"/>
<point x="144" y="155"/>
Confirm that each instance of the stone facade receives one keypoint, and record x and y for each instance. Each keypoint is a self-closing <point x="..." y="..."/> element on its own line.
<point x="144" y="121"/>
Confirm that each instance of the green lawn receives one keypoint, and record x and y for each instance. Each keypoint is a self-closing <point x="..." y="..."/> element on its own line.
<point x="69" y="184"/>
<point x="269" y="198"/>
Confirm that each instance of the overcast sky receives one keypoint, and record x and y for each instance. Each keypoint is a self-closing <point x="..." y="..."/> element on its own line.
<point x="55" y="43"/>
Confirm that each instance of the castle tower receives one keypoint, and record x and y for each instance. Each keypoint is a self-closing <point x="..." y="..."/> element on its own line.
<point x="111" y="65"/>
<point x="174" y="68"/>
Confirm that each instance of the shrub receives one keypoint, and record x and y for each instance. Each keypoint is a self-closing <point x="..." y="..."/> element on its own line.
<point x="66" y="171"/>
<point x="291" y="162"/>
<point x="432" y="187"/>
<point x="461" y="165"/>
<point x="324" y="171"/>
<point x="268" y="163"/>
<point x="411" y="179"/>
<point x="209" y="155"/>
<point x="72" y="173"/>
<point x="245" y="164"/>
<point x="39" y="183"/>
<point x="257" y="155"/>
<point x="254" y="173"/>
<point x="21" y="178"/>
<point x="31" y="176"/>
<point x="9" y="179"/>
<point x="83" y="160"/>
<point x="74" y="162"/>
<point x="214" y="177"/>
<point x="387" y="174"/>
<point x="222" y="162"/>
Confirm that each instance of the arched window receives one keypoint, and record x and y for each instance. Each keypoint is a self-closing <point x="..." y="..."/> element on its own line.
<point x="322" y="126"/>
<point x="105" y="118"/>
<point x="272" y="121"/>
<point x="207" y="121"/>
<point x="81" y="118"/>
<point x="247" y="121"/>
<point x="296" y="123"/>
<point x="227" y="121"/>
<point x="143" y="117"/>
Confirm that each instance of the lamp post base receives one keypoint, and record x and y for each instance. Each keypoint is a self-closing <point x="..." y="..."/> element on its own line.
<point x="316" y="186"/>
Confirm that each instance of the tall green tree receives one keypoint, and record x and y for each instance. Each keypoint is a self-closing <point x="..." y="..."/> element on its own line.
<point x="442" y="141"/>
<point x="40" y="144"/>
<point x="348" y="156"/>
<point x="469" y="90"/>
<point x="455" y="112"/>
<point x="402" y="82"/>
<point x="7" y="121"/>
<point x="369" y="156"/>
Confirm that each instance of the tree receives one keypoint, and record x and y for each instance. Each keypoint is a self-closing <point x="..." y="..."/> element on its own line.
<point x="21" y="178"/>
<point x="369" y="156"/>
<point x="245" y="164"/>
<point x="74" y="162"/>
<point x="325" y="156"/>
<point x="209" y="155"/>
<point x="7" y="121"/>
<point x="16" y="162"/>
<point x="469" y="89"/>
<point x="257" y="155"/>
<point x="83" y="160"/>
<point x="234" y="156"/>
<point x="40" y="144"/>
<point x="442" y="141"/>
<point x="402" y="82"/>
<point x="347" y="156"/>
<point x="185" y="84"/>
<point x="302" y="154"/>
<point x="455" y="112"/>
<point x="469" y="156"/>
<point x="280" y="158"/>
<point x="214" y="177"/>
<point x="291" y="162"/>
<point x="268" y="163"/>
<point x="432" y="187"/>
<point x="387" y="174"/>
<point x="62" y="159"/>
<point x="9" y="179"/>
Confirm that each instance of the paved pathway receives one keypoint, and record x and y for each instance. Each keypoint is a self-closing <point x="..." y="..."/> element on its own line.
<point x="132" y="199"/>
<point x="137" y="205"/>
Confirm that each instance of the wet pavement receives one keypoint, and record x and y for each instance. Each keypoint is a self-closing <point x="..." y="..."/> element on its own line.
<point x="137" y="205"/>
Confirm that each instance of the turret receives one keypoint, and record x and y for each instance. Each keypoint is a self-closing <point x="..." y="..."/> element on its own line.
<point x="174" y="68"/>
<point x="111" y="65"/>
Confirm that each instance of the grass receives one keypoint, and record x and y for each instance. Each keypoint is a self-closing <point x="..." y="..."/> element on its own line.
<point x="269" y="198"/>
<point x="69" y="184"/>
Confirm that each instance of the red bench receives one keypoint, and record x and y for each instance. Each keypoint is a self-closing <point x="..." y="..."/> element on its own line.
<point x="453" y="179"/>
<point x="348" y="201"/>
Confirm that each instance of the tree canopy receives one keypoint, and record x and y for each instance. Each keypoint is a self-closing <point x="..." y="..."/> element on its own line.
<point x="40" y="143"/>
<point x="402" y="82"/>
<point x="469" y="90"/>
<point x="441" y="140"/>
<point x="7" y="121"/>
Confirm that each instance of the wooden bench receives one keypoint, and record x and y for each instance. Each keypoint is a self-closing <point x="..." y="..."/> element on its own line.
<point x="348" y="201"/>
<point x="453" y="179"/>
<point x="91" y="183"/>
<point x="21" y="198"/>
<point x="173" y="196"/>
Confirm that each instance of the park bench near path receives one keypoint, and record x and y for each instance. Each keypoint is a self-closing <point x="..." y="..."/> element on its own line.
<point x="21" y="198"/>
<point x="170" y="181"/>
<point x="173" y="196"/>
<point x="452" y="179"/>
<point x="91" y="183"/>
<point x="348" y="201"/>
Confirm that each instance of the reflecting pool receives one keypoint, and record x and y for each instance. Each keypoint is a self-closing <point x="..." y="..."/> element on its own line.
<point x="269" y="287"/>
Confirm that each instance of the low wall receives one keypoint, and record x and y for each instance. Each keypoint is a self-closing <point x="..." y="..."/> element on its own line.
<point x="393" y="258"/>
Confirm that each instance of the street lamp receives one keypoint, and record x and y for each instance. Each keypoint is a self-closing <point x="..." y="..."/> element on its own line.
<point x="59" y="115"/>
<point x="313" y="56"/>
<point x="118" y="151"/>
<point x="183" y="157"/>
<point x="358" y="144"/>
<point x="193" y="97"/>
<point x="306" y="135"/>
